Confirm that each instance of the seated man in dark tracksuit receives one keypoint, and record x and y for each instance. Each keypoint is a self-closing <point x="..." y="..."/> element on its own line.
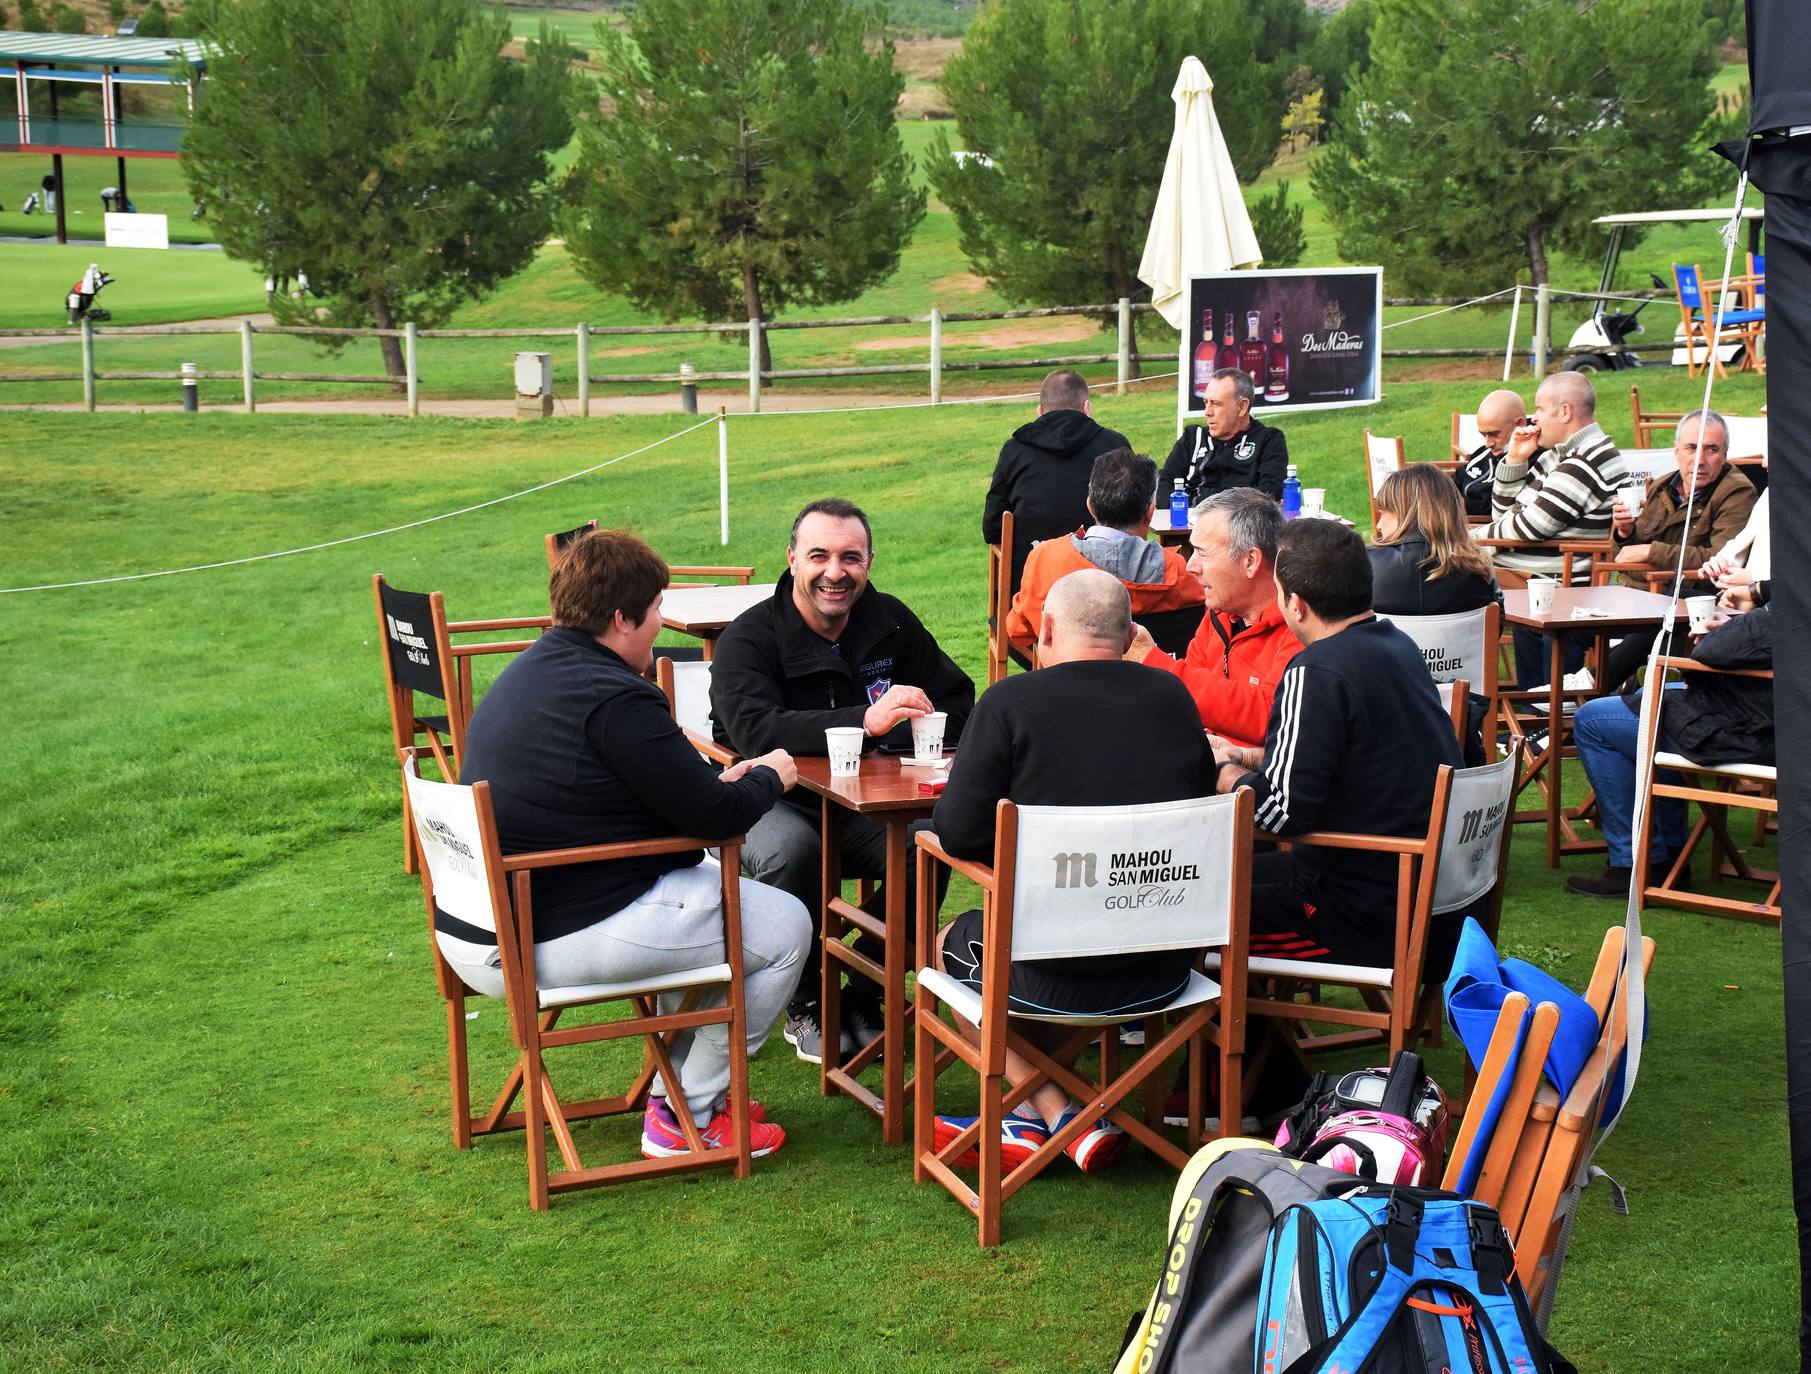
<point x="827" y="650"/>
<point x="1357" y="735"/>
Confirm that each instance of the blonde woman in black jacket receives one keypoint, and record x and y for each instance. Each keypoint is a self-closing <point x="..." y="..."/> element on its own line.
<point x="1424" y="561"/>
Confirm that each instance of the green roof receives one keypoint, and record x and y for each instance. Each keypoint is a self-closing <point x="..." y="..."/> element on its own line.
<point x="81" y="49"/>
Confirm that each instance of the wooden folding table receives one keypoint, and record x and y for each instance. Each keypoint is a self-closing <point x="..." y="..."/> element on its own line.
<point x="884" y="791"/>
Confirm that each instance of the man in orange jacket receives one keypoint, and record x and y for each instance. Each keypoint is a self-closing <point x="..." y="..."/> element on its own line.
<point x="1122" y="496"/>
<point x="1238" y="655"/>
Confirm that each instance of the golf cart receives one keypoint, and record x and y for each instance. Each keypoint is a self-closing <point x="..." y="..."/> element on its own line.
<point x="1599" y="344"/>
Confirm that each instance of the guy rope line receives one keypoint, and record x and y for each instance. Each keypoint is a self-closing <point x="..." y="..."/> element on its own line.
<point x="1634" y="987"/>
<point x="372" y="534"/>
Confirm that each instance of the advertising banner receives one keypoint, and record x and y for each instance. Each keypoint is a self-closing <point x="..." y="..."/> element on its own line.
<point x="137" y="231"/>
<point x="1308" y="338"/>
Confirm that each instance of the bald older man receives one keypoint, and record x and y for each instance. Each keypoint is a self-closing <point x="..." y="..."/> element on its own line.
<point x="1500" y="414"/>
<point x="1544" y="497"/>
<point x="1087" y="729"/>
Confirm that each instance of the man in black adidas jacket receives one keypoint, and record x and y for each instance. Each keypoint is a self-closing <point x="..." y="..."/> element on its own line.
<point x="1357" y="734"/>
<point x="827" y="650"/>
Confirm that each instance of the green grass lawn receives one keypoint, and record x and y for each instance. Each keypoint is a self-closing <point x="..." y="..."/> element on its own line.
<point x="225" y="1139"/>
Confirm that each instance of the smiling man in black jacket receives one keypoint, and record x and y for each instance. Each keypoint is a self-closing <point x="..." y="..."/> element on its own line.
<point x="827" y="650"/>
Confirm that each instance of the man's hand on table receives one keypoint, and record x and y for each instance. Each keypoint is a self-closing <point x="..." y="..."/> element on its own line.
<point x="899" y="703"/>
<point x="779" y="760"/>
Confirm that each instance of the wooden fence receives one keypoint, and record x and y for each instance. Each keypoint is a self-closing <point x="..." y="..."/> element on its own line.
<point x="933" y="369"/>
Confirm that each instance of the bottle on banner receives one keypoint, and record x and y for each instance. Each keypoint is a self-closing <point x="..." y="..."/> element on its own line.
<point x="1251" y="352"/>
<point x="1276" y="363"/>
<point x="1228" y="356"/>
<point x="1204" y="355"/>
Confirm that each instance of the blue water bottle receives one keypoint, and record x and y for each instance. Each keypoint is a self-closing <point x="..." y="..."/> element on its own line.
<point x="1179" y="506"/>
<point x="1292" y="494"/>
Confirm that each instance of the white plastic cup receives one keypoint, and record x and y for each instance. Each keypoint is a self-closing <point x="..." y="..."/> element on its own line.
<point x="1540" y="595"/>
<point x="1314" y="500"/>
<point x="843" y="744"/>
<point x="1634" y="497"/>
<point x="927" y="736"/>
<point x="1699" y="609"/>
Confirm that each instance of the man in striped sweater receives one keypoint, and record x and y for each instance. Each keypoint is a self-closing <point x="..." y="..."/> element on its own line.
<point x="1564" y="493"/>
<point x="1357" y="735"/>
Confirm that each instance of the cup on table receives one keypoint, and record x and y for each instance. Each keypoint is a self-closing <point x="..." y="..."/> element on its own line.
<point x="1699" y="609"/>
<point x="1314" y="501"/>
<point x="1540" y="595"/>
<point x="927" y="736"/>
<point x="843" y="744"/>
<point x="1634" y="497"/>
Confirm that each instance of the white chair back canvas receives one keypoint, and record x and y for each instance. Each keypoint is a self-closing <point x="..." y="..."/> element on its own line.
<point x="1453" y="646"/>
<point x="446" y="828"/>
<point x="1384" y="455"/>
<point x="1096" y="880"/>
<point x="692" y="697"/>
<point x="1465" y="432"/>
<point x="1747" y="436"/>
<point x="1648" y="463"/>
<point x="1477" y="822"/>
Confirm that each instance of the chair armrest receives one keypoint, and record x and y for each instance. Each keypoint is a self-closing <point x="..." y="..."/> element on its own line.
<point x="1691" y="665"/>
<point x="509" y="646"/>
<point x="737" y="574"/>
<point x="597" y="853"/>
<point x="710" y="749"/>
<point x="1339" y="839"/>
<point x="519" y="622"/>
<point x="982" y="875"/>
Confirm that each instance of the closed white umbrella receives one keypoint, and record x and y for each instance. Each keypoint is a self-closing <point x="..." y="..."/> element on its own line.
<point x="1199" y="224"/>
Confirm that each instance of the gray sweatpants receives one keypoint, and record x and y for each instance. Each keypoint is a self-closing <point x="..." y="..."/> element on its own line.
<point x="677" y="924"/>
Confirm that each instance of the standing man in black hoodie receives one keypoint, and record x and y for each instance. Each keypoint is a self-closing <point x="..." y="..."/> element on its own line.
<point x="827" y="650"/>
<point x="1042" y="473"/>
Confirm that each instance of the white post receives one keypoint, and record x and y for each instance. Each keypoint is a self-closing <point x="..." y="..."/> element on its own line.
<point x="1543" y="328"/>
<point x="245" y="364"/>
<point x="936" y="355"/>
<point x="1125" y="344"/>
<point x="584" y="335"/>
<point x="408" y="364"/>
<point x="1515" y="315"/>
<point x="87" y="363"/>
<point x="754" y="371"/>
<point x="722" y="477"/>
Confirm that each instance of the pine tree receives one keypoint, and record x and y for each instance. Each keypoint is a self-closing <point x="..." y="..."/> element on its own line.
<point x="745" y="159"/>
<point x="1488" y="133"/>
<point x="1068" y="104"/>
<point x="385" y="148"/>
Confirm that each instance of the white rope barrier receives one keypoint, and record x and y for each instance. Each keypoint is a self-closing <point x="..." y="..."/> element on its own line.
<point x="1448" y="309"/>
<point x="371" y="534"/>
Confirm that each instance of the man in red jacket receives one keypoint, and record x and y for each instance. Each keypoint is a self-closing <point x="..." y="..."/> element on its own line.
<point x="1238" y="655"/>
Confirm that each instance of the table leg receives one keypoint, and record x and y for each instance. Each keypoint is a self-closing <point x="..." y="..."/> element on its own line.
<point x="830" y="992"/>
<point x="707" y="646"/>
<point x="892" y="1117"/>
<point x="1555" y="725"/>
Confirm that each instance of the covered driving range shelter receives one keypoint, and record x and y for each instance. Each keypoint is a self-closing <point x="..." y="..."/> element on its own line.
<point x="81" y="111"/>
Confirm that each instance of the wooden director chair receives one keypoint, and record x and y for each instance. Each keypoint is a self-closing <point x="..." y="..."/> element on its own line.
<point x="423" y="655"/>
<point x="466" y="876"/>
<point x="1462" y="647"/>
<point x="999" y="601"/>
<point x="712" y="574"/>
<point x="1383" y="456"/>
<point x="1031" y="912"/>
<point x="1451" y="867"/>
<point x="687" y="685"/>
<point x="1716" y="788"/>
<point x="1537" y="1144"/>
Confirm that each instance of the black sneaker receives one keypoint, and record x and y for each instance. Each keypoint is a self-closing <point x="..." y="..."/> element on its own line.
<point x="804" y="1031"/>
<point x="1607" y="882"/>
<point x="862" y="1023"/>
